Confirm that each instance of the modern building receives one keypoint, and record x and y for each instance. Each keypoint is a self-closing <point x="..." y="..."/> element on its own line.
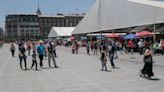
<point x="31" y="26"/>
<point x="1" y="33"/>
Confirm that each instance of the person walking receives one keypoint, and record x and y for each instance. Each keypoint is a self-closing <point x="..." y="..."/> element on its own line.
<point x="73" y="47"/>
<point x="112" y="51"/>
<point x="29" y="47"/>
<point x="95" y="48"/>
<point x="147" y="70"/>
<point x="76" y="47"/>
<point x="91" y="45"/>
<point x="54" y="48"/>
<point x="46" y="50"/>
<point x="12" y="49"/>
<point x="34" y="60"/>
<point x="41" y="51"/>
<point x="87" y="47"/>
<point x="130" y="46"/>
<point x="141" y="46"/>
<point x="51" y="55"/>
<point x="22" y="55"/>
<point x="162" y="47"/>
<point x="103" y="59"/>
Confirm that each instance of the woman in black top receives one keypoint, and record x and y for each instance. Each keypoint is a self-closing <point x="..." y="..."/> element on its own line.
<point x="147" y="70"/>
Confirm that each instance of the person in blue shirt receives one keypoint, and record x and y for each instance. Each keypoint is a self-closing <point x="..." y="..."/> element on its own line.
<point x="41" y="51"/>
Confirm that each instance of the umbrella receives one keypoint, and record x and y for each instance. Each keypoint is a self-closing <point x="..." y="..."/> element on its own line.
<point x="83" y="38"/>
<point x="130" y="36"/>
<point x="112" y="35"/>
<point x="100" y="37"/>
<point x="144" y="33"/>
<point x="72" y="38"/>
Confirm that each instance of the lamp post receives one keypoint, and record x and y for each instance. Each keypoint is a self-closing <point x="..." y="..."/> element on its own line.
<point x="154" y="33"/>
<point x="100" y="19"/>
<point x="154" y="37"/>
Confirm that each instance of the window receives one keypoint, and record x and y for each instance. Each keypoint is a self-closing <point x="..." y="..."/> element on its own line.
<point x="27" y="33"/>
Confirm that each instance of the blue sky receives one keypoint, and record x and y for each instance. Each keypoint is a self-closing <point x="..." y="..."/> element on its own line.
<point x="47" y="7"/>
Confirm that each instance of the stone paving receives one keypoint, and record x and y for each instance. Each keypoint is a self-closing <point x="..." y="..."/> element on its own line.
<point x="79" y="73"/>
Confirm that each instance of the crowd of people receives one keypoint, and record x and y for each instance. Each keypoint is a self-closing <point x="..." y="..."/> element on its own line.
<point x="40" y="49"/>
<point x="108" y="50"/>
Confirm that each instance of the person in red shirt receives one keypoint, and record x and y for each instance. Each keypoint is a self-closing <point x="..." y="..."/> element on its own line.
<point x="162" y="47"/>
<point x="130" y="46"/>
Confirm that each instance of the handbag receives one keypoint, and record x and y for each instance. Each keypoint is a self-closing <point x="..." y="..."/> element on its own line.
<point x="148" y="59"/>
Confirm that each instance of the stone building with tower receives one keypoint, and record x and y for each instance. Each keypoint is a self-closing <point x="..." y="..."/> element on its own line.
<point x="32" y="26"/>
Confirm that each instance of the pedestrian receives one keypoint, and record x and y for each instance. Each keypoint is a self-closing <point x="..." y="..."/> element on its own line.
<point x="76" y="47"/>
<point x="91" y="45"/>
<point x="51" y="55"/>
<point x="95" y="48"/>
<point x="54" y="48"/>
<point x="34" y="60"/>
<point x="29" y="47"/>
<point x="87" y="47"/>
<point x="41" y="52"/>
<point x="12" y="49"/>
<point x="22" y="55"/>
<point x="141" y="46"/>
<point x="46" y="50"/>
<point x="162" y="47"/>
<point x="147" y="70"/>
<point x="112" y="51"/>
<point x="73" y="47"/>
<point x="103" y="59"/>
<point x="130" y="46"/>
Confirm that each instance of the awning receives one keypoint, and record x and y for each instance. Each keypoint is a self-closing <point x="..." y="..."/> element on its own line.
<point x="116" y="14"/>
<point x="60" y="32"/>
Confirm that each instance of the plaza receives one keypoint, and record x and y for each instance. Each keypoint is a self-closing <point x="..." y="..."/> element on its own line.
<point x="79" y="73"/>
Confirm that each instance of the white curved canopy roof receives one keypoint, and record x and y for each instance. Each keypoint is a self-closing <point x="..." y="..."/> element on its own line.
<point x="60" y="32"/>
<point x="116" y="14"/>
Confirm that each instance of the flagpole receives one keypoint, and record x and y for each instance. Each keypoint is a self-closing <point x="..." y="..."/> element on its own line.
<point x="100" y="19"/>
<point x="154" y="37"/>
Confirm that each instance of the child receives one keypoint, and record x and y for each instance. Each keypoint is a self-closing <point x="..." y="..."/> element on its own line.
<point x="34" y="61"/>
<point x="103" y="59"/>
<point x="12" y="49"/>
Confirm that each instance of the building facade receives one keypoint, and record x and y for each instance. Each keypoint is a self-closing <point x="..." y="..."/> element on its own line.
<point x="59" y="20"/>
<point x="22" y="26"/>
<point x="31" y="26"/>
<point x="1" y="33"/>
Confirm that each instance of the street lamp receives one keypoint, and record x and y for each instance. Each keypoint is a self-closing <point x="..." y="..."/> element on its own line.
<point x="154" y="37"/>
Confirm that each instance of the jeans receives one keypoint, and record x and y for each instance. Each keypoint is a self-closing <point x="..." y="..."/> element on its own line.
<point x="111" y="57"/>
<point x="103" y="65"/>
<point x="51" y="55"/>
<point x="12" y="52"/>
<point x="41" y="60"/>
<point x="34" y="62"/>
<point x="23" y="58"/>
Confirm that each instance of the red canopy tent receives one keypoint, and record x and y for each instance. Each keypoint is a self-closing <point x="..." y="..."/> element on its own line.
<point x="144" y="33"/>
<point x="72" y="37"/>
<point x="112" y="35"/>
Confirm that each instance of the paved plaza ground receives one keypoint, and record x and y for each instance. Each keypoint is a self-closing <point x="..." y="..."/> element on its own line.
<point x="79" y="73"/>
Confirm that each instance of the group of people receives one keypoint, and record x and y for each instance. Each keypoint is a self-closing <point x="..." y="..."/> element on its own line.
<point x="109" y="50"/>
<point x="158" y="47"/>
<point x="40" y="50"/>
